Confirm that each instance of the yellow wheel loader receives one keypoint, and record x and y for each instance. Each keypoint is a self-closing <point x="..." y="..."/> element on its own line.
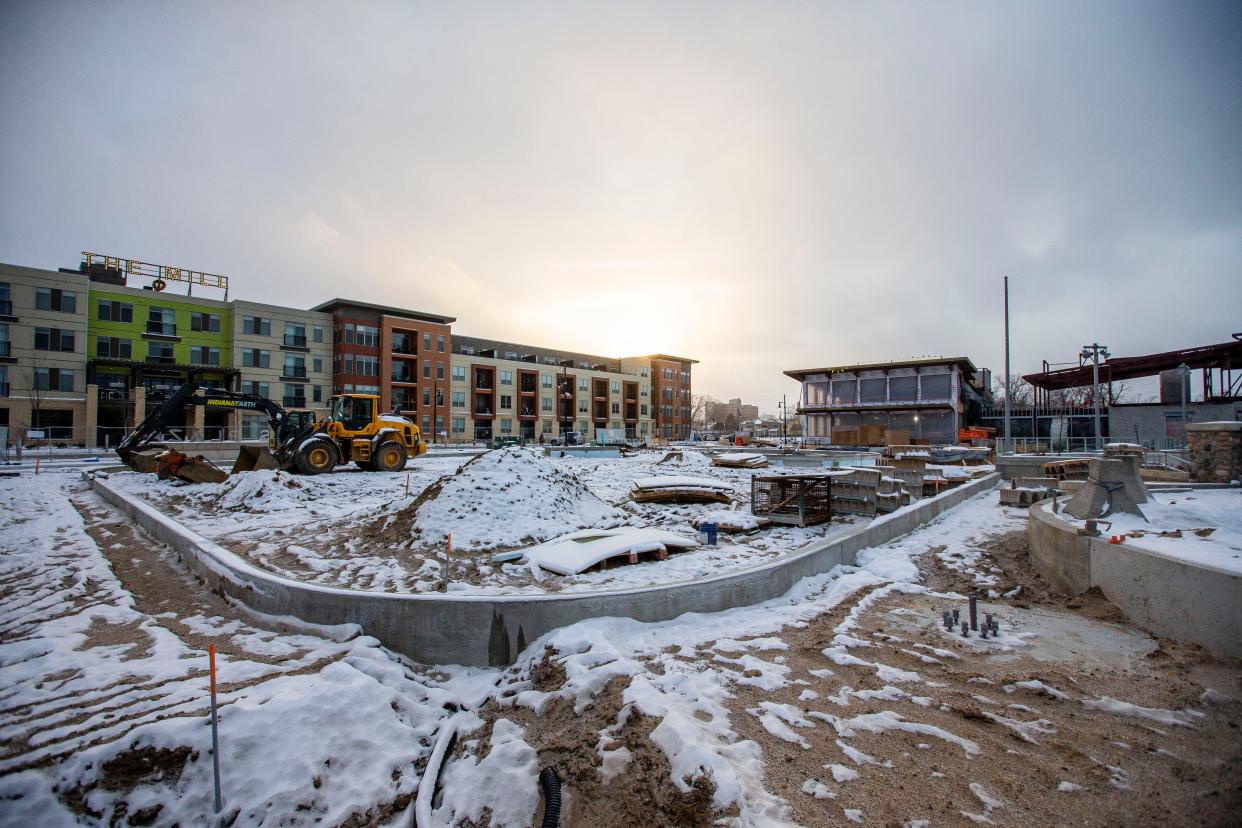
<point x="355" y="432"/>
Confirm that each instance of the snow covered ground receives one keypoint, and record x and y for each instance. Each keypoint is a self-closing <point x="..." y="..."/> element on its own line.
<point x="840" y="702"/>
<point x="1202" y="526"/>
<point x="375" y="532"/>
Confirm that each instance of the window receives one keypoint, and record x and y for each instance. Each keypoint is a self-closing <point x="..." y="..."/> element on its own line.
<point x="440" y="343"/>
<point x="317" y="393"/>
<point x="161" y="352"/>
<point x="439" y="370"/>
<point x="426" y="396"/>
<point x="506" y="401"/>
<point x="317" y="333"/>
<point x="934" y="387"/>
<point x="54" y="379"/>
<point x="6" y="304"/>
<point x="547" y="426"/>
<point x="295" y="335"/>
<point x="616" y="387"/>
<point x="903" y="389"/>
<point x="642" y="372"/>
<point x="643" y="389"/>
<point x="872" y="390"/>
<point x="255" y="358"/>
<point x="642" y="409"/>
<point x="844" y="391"/>
<point x="55" y="299"/>
<point x="349" y="333"/>
<point x="295" y="366"/>
<point x="368" y="336"/>
<point x="506" y="378"/>
<point x="162" y="321"/>
<point x="459" y="399"/>
<point x="616" y="408"/>
<point x="668" y="373"/>
<point x="349" y="364"/>
<point x="459" y="373"/>
<point x="259" y="389"/>
<point x="439" y="398"/>
<point x="109" y="311"/>
<point x="426" y="342"/>
<point x="582" y="406"/>
<point x="317" y="363"/>
<point x="426" y="369"/>
<point x="459" y="425"/>
<point x="295" y="395"/>
<point x="202" y="355"/>
<point x="256" y="326"/>
<point x="545" y="380"/>
<point x="506" y="426"/>
<point x="584" y="384"/>
<point x="111" y="346"/>
<point x="545" y="404"/>
<point x="209" y="322"/>
<point x="53" y="339"/>
<point x="367" y="366"/>
<point x="426" y="423"/>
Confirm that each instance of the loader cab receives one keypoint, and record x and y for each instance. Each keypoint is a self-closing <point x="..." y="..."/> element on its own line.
<point x="293" y="424"/>
<point x="354" y="413"/>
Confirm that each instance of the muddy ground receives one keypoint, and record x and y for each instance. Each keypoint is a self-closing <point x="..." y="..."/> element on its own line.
<point x="1044" y="757"/>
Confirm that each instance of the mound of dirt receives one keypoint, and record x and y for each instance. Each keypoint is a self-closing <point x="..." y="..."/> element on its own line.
<point x="266" y="490"/>
<point x="501" y="499"/>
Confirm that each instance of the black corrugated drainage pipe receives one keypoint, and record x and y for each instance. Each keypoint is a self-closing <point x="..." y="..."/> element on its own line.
<point x="551" y="784"/>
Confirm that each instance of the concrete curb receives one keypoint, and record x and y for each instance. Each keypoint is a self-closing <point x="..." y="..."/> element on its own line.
<point x="491" y="630"/>
<point x="1167" y="596"/>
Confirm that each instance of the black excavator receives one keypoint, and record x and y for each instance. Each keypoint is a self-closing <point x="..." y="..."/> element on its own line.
<point x="286" y="427"/>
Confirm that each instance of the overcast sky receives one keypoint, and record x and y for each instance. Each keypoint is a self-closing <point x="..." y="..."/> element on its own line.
<point x="760" y="186"/>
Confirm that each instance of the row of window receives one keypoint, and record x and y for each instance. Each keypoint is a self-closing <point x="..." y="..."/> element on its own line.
<point x="294" y="335"/>
<point x="292" y="391"/>
<point x="681" y="376"/>
<point x="853" y="391"/>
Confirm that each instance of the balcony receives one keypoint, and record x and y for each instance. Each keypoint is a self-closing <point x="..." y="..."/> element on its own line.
<point x="407" y="403"/>
<point x="484" y="411"/>
<point x="404" y="376"/>
<point x="294" y="402"/>
<point x="6" y="307"/>
<point x="162" y="328"/>
<point x="297" y="341"/>
<point x="483" y="385"/>
<point x="161" y="360"/>
<point x="113" y="394"/>
<point x="293" y="372"/>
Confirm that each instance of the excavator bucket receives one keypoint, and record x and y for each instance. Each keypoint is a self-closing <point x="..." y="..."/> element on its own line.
<point x="250" y="458"/>
<point x="146" y="462"/>
<point x="190" y="469"/>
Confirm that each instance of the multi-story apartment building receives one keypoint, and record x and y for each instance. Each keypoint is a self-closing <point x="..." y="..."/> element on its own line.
<point x="671" y="382"/>
<point x="43" y="353"/>
<point x="874" y="403"/>
<point x="85" y="353"/>
<point x="502" y="389"/>
<point x="402" y="355"/>
<point x="284" y="354"/>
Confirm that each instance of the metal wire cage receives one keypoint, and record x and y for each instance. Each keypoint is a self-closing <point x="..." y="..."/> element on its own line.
<point x="794" y="499"/>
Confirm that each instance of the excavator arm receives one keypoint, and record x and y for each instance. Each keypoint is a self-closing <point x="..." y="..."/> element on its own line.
<point x="176" y="464"/>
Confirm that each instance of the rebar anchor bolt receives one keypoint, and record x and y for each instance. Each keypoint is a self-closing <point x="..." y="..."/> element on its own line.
<point x="947" y="619"/>
<point x="965" y="630"/>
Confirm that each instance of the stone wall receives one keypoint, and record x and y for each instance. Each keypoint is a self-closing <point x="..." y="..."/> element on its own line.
<point x="1215" y="451"/>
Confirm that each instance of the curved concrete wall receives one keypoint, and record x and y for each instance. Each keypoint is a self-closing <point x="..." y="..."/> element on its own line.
<point x="491" y="630"/>
<point x="1166" y="596"/>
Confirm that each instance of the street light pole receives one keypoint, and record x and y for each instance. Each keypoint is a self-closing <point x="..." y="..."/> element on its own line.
<point x="1093" y="352"/>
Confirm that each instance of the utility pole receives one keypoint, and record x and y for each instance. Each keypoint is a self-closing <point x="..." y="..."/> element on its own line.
<point x="1008" y="387"/>
<point x="784" y="411"/>
<point x="1183" y="376"/>
<point x="1093" y="352"/>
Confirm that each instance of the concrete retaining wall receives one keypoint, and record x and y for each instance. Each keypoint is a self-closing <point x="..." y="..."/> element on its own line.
<point x="491" y="630"/>
<point x="1166" y="596"/>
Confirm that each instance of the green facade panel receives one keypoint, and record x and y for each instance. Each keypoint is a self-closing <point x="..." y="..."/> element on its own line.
<point x="183" y="309"/>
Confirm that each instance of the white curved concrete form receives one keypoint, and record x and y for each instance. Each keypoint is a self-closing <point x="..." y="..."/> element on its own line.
<point x="491" y="630"/>
<point x="1165" y="595"/>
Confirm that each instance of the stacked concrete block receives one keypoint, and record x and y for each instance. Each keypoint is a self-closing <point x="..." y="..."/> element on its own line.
<point x="855" y="493"/>
<point x="1215" y="451"/>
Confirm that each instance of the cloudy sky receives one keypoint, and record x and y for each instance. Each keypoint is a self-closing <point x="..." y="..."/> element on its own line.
<point x="760" y="186"/>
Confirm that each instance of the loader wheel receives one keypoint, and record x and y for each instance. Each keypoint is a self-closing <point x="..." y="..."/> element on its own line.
<point x="389" y="457"/>
<point x="317" y="457"/>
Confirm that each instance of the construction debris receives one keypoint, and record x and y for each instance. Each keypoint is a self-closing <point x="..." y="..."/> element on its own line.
<point x="740" y="460"/>
<point x="680" y="489"/>
<point x="579" y="551"/>
<point x="793" y="499"/>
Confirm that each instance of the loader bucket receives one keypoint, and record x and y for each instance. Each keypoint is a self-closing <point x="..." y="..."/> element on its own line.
<point x="250" y="458"/>
<point x="190" y="469"/>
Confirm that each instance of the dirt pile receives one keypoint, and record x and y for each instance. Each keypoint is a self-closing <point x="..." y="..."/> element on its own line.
<point x="256" y="491"/>
<point x="505" y="498"/>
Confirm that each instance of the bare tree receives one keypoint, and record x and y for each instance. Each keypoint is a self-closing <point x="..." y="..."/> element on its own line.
<point x="36" y="394"/>
<point x="1020" y="392"/>
<point x="699" y="403"/>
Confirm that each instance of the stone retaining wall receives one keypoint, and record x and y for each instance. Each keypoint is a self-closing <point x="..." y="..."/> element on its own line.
<point x="1215" y="451"/>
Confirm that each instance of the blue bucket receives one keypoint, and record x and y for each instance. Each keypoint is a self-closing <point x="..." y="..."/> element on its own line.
<point x="709" y="532"/>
